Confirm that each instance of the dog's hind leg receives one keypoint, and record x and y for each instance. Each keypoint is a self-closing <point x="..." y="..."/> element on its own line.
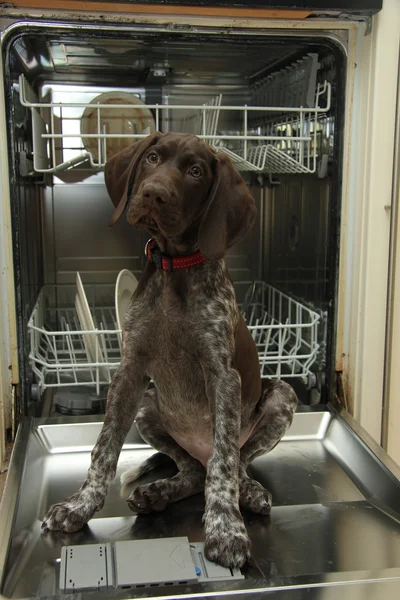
<point x="276" y="410"/>
<point x="191" y="474"/>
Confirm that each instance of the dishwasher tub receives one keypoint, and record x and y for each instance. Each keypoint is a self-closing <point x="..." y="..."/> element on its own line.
<point x="335" y="518"/>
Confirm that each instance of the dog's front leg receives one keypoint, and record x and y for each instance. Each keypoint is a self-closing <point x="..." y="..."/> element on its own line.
<point x="227" y="541"/>
<point x="124" y="396"/>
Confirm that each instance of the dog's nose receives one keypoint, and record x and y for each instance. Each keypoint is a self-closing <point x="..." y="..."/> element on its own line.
<point x="155" y="193"/>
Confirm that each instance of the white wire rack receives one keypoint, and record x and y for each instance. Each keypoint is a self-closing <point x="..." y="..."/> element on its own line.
<point x="284" y="330"/>
<point x="270" y="139"/>
<point x="292" y="138"/>
<point x="59" y="355"/>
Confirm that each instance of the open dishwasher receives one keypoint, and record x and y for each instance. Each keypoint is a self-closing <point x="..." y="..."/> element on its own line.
<point x="275" y="103"/>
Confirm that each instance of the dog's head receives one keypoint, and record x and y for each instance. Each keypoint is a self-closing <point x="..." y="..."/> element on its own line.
<point x="176" y="187"/>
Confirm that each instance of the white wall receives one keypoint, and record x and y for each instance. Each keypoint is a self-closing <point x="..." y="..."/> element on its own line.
<point x="366" y="218"/>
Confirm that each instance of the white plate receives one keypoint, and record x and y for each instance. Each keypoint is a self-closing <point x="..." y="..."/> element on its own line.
<point x="87" y="324"/>
<point x="84" y="327"/>
<point x="128" y="120"/>
<point x="124" y="288"/>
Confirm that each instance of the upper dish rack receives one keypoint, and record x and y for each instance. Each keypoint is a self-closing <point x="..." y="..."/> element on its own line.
<point x="267" y="139"/>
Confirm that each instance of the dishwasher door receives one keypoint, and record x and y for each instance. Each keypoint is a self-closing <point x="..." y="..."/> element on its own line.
<point x="335" y="519"/>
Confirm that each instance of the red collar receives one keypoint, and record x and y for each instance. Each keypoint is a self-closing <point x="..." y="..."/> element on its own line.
<point x="169" y="263"/>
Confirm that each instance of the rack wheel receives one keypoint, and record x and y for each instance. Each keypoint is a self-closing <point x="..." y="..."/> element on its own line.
<point x="35" y="391"/>
<point x="311" y="381"/>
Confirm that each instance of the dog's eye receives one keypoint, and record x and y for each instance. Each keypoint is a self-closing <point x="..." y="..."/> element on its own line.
<point x="152" y="158"/>
<point x="195" y="172"/>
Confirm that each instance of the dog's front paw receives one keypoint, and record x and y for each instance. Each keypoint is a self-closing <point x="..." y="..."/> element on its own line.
<point x="227" y="542"/>
<point x="229" y="548"/>
<point x="70" y="515"/>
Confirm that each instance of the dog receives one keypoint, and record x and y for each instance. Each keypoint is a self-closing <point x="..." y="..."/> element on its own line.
<point x="208" y="410"/>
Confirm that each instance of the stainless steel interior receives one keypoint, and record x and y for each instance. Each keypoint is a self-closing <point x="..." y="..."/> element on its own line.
<point x="60" y="221"/>
<point x="335" y="517"/>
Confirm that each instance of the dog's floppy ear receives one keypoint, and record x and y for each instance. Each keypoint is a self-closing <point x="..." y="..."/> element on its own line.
<point x="230" y="212"/>
<point x="120" y="171"/>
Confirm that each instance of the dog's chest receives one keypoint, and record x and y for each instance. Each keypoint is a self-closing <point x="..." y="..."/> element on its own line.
<point x="178" y="328"/>
<point x="182" y="313"/>
<point x="176" y="341"/>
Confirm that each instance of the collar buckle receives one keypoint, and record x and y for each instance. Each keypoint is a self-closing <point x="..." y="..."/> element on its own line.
<point x="161" y="260"/>
<point x="168" y="260"/>
<point x="156" y="256"/>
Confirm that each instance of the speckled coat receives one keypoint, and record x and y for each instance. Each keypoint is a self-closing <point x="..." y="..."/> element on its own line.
<point x="208" y="410"/>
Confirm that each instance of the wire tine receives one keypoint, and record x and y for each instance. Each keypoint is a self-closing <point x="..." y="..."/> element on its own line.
<point x="98" y="133"/>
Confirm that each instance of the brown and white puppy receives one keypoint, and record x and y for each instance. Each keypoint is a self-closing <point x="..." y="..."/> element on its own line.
<point x="208" y="410"/>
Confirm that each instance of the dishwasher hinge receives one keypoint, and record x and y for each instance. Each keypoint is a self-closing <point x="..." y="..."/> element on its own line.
<point x="14" y="396"/>
<point x="367" y="20"/>
<point x="340" y="395"/>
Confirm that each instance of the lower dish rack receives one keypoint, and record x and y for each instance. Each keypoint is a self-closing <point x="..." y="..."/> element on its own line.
<point x="60" y="354"/>
<point x="285" y="332"/>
